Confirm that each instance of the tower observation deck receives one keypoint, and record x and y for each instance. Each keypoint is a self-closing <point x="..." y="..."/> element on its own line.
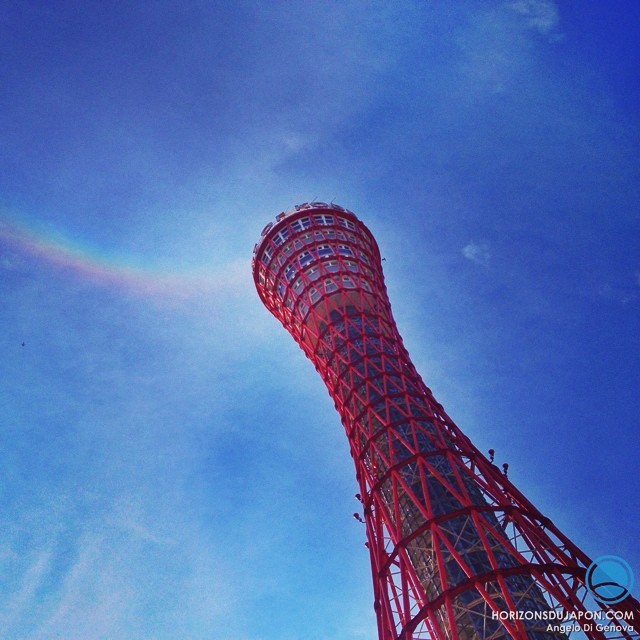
<point x="457" y="552"/>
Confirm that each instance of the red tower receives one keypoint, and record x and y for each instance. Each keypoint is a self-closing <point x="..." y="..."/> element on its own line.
<point x="457" y="552"/>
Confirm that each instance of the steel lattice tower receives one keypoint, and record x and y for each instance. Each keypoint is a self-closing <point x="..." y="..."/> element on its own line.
<point x="452" y="542"/>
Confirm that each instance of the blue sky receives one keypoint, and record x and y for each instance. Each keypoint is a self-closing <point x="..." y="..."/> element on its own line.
<point x="170" y="465"/>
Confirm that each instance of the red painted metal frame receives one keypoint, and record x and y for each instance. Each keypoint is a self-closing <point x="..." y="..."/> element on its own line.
<point x="452" y="542"/>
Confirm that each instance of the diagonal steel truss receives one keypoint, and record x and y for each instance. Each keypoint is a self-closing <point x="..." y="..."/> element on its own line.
<point x="457" y="552"/>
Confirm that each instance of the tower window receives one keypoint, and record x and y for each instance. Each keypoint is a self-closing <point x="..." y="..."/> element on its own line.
<point x="331" y="265"/>
<point x="289" y="272"/>
<point x="300" y="224"/>
<point x="323" y="219"/>
<point x="305" y="258"/>
<point x="330" y="285"/>
<point x="281" y="236"/>
<point x="312" y="273"/>
<point x="347" y="224"/>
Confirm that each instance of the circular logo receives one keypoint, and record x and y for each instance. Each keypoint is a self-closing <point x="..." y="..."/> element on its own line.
<point x="609" y="579"/>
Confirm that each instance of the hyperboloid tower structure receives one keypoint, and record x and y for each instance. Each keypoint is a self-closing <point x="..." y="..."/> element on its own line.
<point x="457" y="552"/>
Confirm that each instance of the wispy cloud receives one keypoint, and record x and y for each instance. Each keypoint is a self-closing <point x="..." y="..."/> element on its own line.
<point x="477" y="252"/>
<point x="129" y="517"/>
<point x="541" y="15"/>
<point x="494" y="49"/>
<point x="92" y="599"/>
<point x="619" y="293"/>
<point x="33" y="577"/>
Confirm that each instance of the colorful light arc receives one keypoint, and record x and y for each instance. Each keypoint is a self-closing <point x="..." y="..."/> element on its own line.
<point x="108" y="270"/>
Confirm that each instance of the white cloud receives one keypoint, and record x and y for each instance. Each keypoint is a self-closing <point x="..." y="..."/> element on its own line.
<point x="32" y="579"/>
<point x="477" y="252"/>
<point x="131" y="520"/>
<point x="295" y="142"/>
<point x="495" y="46"/>
<point x="94" y="600"/>
<point x="540" y="14"/>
